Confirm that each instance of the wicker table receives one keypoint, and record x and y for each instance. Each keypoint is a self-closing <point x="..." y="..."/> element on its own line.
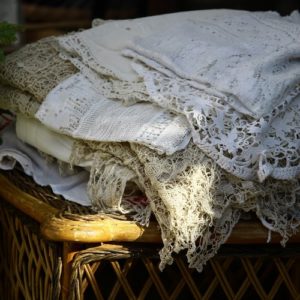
<point x="55" y="249"/>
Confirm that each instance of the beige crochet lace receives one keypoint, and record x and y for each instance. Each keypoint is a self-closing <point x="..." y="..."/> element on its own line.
<point x="16" y="101"/>
<point x="195" y="203"/>
<point x="36" y="68"/>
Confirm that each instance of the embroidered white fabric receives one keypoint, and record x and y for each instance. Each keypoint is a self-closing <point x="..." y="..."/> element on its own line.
<point x="100" y="47"/>
<point x="229" y="42"/>
<point x="76" y="108"/>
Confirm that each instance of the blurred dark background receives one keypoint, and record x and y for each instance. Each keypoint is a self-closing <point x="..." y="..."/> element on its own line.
<point x="43" y="18"/>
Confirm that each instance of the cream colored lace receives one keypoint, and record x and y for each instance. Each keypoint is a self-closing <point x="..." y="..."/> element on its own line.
<point x="247" y="147"/>
<point x="195" y="203"/>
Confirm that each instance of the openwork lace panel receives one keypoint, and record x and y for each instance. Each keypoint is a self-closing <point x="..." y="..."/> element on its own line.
<point x="247" y="147"/>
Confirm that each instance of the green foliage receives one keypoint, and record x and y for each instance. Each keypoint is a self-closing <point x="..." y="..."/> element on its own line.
<point x="7" y="36"/>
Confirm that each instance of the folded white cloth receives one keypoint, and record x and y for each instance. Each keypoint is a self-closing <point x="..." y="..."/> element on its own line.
<point x="76" y="108"/>
<point x="249" y="59"/>
<point x="72" y="186"/>
<point x="100" y="47"/>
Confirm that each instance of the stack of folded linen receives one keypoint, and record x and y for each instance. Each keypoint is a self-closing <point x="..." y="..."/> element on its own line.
<point x="198" y="110"/>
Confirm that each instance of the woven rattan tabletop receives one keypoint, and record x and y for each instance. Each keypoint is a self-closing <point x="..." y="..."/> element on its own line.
<point x="62" y="220"/>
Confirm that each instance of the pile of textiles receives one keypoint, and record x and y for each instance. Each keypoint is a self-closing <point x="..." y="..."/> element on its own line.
<point x="199" y="111"/>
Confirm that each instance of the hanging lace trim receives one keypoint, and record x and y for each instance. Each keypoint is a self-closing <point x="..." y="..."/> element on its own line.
<point x="195" y="203"/>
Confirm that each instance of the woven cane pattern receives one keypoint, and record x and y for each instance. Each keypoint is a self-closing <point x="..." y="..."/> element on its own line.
<point x="132" y="273"/>
<point x="30" y="268"/>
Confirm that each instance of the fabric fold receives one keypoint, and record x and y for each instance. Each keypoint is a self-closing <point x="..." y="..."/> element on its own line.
<point x="76" y="108"/>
